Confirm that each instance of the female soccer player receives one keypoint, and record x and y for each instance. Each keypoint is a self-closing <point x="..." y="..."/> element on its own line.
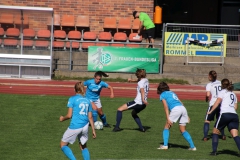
<point x="139" y="102"/>
<point x="212" y="88"/>
<point x="94" y="87"/>
<point x="177" y="112"/>
<point x="80" y="112"/>
<point x="228" y="115"/>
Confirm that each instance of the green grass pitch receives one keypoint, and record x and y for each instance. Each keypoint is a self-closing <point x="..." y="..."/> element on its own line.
<point x="30" y="130"/>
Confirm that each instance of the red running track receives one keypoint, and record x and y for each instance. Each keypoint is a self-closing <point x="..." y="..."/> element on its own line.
<point x="65" y="88"/>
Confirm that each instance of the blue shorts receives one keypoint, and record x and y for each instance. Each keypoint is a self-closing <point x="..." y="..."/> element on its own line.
<point x="230" y="120"/>
<point x="137" y="107"/>
<point x="216" y="112"/>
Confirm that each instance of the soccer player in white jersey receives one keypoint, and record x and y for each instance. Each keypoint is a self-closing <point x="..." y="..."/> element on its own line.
<point x="80" y="113"/>
<point x="94" y="88"/>
<point x="228" y="115"/>
<point x="139" y="103"/>
<point x="177" y="112"/>
<point x="212" y="89"/>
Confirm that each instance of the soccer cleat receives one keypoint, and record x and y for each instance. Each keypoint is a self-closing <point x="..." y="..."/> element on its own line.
<point x="205" y="139"/>
<point x="213" y="153"/>
<point x="107" y="125"/>
<point x="116" y="129"/>
<point x="192" y="149"/>
<point x="142" y="130"/>
<point x="224" y="137"/>
<point x="163" y="147"/>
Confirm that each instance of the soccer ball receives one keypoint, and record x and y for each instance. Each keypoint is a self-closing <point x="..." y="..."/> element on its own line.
<point x="98" y="125"/>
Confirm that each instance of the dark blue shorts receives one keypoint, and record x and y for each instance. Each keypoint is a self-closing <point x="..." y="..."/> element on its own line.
<point x="230" y="120"/>
<point x="216" y="112"/>
<point x="137" y="107"/>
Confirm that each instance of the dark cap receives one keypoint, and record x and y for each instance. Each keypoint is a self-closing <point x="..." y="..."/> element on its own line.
<point x="134" y="13"/>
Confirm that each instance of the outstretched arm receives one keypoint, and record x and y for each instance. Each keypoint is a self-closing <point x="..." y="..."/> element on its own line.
<point x="68" y="116"/>
<point x="132" y="80"/>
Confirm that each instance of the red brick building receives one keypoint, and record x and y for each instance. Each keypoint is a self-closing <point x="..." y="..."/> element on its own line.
<point x="97" y="10"/>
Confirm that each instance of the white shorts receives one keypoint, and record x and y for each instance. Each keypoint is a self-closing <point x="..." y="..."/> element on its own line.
<point x="70" y="135"/>
<point x="179" y="113"/>
<point x="98" y="103"/>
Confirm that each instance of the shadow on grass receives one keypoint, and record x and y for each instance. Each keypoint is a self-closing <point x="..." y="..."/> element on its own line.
<point x="226" y="151"/>
<point x="171" y="145"/>
<point x="137" y="129"/>
<point x="219" y="136"/>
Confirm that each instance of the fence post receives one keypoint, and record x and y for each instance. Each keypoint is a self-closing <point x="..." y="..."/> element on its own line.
<point x="161" y="53"/>
<point x="70" y="56"/>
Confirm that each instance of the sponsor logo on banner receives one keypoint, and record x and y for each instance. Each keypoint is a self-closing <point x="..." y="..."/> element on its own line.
<point x="175" y="44"/>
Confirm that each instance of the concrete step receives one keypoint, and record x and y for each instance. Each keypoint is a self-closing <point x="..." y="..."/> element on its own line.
<point x="181" y="60"/>
<point x="201" y="69"/>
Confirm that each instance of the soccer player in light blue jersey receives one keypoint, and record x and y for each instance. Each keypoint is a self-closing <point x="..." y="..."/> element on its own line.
<point x="80" y="113"/>
<point x="175" y="111"/>
<point x="94" y="88"/>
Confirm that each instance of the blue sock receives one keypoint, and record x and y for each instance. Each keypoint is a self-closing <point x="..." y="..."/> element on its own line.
<point x="68" y="152"/>
<point x="214" y="142"/>
<point x="205" y="129"/>
<point x="222" y="132"/>
<point x="103" y="118"/>
<point x="119" y="118"/>
<point x="138" y="121"/>
<point x="165" y="137"/>
<point x="95" y="115"/>
<point x="85" y="154"/>
<point x="237" y="140"/>
<point x="188" y="138"/>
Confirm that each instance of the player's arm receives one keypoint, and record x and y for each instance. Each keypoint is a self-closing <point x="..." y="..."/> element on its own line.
<point x="90" y="118"/>
<point x="132" y="80"/>
<point x="143" y="96"/>
<point x="166" y="111"/>
<point x="67" y="116"/>
<point x="111" y="90"/>
<point x="216" y="104"/>
<point x="140" y="27"/>
<point x="235" y="106"/>
<point x="207" y="96"/>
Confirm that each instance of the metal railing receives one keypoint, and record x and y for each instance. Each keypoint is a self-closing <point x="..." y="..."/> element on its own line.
<point x="232" y="31"/>
<point x="70" y="64"/>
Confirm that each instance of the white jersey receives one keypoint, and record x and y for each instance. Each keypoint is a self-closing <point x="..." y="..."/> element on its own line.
<point x="143" y="83"/>
<point x="214" y="88"/>
<point x="229" y="99"/>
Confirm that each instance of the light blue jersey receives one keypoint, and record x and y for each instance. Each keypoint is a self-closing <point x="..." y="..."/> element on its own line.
<point x="171" y="99"/>
<point x="81" y="106"/>
<point x="93" y="90"/>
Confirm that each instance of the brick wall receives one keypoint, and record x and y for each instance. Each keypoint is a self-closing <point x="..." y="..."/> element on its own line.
<point x="96" y="9"/>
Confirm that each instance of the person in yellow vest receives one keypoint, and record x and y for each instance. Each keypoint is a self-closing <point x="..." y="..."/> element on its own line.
<point x="145" y="21"/>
